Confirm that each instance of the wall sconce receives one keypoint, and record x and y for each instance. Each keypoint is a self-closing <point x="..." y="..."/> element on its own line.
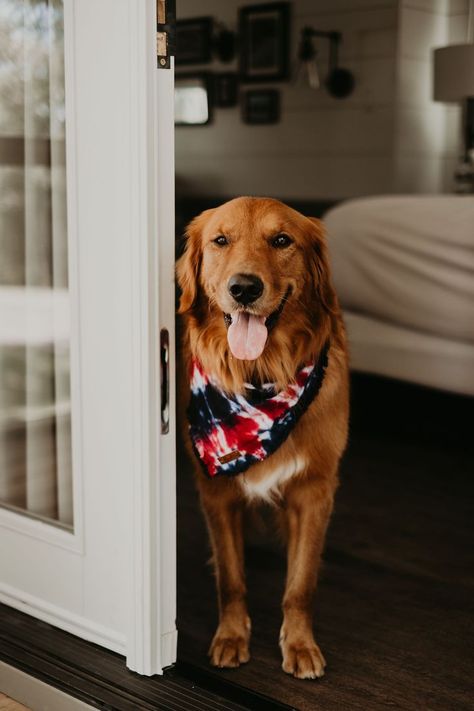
<point x="339" y="82"/>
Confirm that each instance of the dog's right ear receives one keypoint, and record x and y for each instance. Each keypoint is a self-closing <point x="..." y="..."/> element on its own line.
<point x="189" y="265"/>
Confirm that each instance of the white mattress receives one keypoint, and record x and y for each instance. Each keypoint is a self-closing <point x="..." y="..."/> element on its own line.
<point x="390" y="350"/>
<point x="403" y="268"/>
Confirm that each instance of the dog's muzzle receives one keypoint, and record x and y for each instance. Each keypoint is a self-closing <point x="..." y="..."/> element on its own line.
<point x="272" y="319"/>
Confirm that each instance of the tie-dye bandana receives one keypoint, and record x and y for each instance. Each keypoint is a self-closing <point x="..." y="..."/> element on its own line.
<point x="232" y="432"/>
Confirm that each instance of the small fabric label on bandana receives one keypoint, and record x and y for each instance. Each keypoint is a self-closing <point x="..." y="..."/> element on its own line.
<point x="231" y="432"/>
<point x="226" y="458"/>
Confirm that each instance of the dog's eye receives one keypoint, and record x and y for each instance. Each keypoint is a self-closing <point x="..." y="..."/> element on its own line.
<point x="221" y="240"/>
<point x="281" y="241"/>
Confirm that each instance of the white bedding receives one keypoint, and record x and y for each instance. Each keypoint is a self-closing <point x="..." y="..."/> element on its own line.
<point x="404" y="272"/>
<point x="387" y="349"/>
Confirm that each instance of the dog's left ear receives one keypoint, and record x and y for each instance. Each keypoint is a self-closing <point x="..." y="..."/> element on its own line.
<point x="320" y="270"/>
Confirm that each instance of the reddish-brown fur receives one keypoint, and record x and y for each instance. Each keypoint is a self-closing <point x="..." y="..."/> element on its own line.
<point x="310" y="316"/>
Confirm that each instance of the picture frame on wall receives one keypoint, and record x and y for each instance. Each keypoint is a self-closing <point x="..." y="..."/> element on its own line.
<point x="261" y="106"/>
<point x="264" y="32"/>
<point x="194" y="41"/>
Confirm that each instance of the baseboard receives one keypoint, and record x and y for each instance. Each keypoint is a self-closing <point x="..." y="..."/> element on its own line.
<point x="65" y="620"/>
<point x="169" y="646"/>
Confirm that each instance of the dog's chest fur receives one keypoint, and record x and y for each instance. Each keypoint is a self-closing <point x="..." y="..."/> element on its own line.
<point x="266" y="485"/>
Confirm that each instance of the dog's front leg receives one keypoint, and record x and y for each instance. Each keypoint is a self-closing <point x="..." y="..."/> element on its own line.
<point x="230" y="646"/>
<point x="308" y="508"/>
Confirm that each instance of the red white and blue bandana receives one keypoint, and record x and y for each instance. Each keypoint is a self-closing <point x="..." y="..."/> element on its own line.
<point x="232" y="432"/>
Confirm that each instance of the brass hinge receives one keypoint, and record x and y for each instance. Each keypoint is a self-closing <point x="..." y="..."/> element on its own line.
<point x="165" y="32"/>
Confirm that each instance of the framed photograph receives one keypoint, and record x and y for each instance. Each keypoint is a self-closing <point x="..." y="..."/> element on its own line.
<point x="225" y="90"/>
<point x="261" y="106"/>
<point x="193" y="99"/>
<point x="194" y="41"/>
<point x="264" y="32"/>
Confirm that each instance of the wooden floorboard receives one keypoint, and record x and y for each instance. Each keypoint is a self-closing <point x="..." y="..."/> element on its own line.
<point x="394" y="609"/>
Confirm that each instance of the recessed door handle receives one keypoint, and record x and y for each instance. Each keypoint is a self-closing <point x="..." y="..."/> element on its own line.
<point x="165" y="380"/>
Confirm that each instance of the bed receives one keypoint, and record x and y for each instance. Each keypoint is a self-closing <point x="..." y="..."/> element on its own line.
<point x="404" y="271"/>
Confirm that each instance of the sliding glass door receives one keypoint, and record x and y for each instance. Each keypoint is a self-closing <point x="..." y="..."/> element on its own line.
<point x="35" y="413"/>
<point x="86" y="286"/>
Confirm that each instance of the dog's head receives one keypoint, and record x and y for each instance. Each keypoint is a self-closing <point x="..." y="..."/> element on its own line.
<point x="258" y="267"/>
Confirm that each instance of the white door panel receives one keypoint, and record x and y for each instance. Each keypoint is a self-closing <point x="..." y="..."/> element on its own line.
<point x="111" y="578"/>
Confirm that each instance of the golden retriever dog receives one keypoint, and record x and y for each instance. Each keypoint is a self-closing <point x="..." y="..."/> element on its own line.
<point x="267" y="382"/>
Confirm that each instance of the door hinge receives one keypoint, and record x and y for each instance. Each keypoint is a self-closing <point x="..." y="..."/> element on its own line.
<point x="165" y="32"/>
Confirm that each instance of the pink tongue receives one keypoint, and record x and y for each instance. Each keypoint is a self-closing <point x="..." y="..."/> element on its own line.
<point x="247" y="335"/>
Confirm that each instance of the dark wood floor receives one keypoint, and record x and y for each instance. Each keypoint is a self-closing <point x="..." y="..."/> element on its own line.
<point x="394" y="608"/>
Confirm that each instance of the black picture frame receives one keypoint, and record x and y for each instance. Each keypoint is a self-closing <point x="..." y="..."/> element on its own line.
<point x="203" y="79"/>
<point x="264" y="32"/>
<point x="261" y="106"/>
<point x="194" y="41"/>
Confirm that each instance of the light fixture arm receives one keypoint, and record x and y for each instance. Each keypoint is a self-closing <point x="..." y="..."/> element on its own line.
<point x="334" y="41"/>
<point x="340" y="82"/>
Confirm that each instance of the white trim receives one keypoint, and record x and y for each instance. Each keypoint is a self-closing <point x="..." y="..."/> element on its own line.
<point x="64" y="619"/>
<point x="142" y="653"/>
<point x="168" y="648"/>
<point x="152" y="628"/>
<point x="26" y="689"/>
<point x="40" y="530"/>
<point x="74" y="280"/>
<point x="166" y="505"/>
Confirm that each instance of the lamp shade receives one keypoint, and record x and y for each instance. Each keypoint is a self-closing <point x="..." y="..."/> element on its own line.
<point x="453" y="72"/>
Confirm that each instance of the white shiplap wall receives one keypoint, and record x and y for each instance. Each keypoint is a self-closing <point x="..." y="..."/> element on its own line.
<point x="324" y="147"/>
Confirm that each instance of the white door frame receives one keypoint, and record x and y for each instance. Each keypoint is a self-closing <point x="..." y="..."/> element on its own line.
<point x="113" y="580"/>
<point x="153" y="637"/>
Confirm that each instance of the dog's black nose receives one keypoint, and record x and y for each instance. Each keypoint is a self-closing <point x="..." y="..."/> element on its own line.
<point x="245" y="288"/>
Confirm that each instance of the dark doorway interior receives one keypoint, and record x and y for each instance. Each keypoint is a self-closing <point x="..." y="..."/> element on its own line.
<point x="395" y="599"/>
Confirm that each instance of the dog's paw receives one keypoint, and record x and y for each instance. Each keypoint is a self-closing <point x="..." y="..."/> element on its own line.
<point x="228" y="651"/>
<point x="303" y="659"/>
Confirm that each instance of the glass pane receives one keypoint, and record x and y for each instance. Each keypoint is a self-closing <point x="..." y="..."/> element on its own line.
<point x="35" y="414"/>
